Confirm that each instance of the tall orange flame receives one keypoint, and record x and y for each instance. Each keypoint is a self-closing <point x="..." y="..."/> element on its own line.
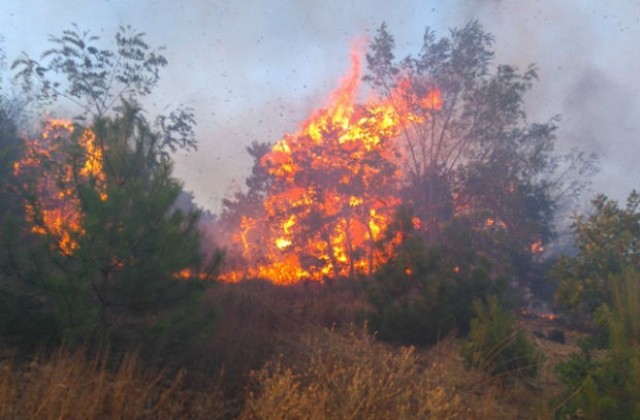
<point x="334" y="190"/>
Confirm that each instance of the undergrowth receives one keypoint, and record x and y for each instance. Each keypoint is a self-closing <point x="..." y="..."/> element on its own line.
<point x="71" y="385"/>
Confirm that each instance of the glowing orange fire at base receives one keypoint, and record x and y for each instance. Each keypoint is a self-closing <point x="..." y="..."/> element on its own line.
<point x="334" y="189"/>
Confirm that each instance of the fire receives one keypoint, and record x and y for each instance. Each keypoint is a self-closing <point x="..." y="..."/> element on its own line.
<point x="537" y="247"/>
<point x="55" y="210"/>
<point x="495" y="223"/>
<point x="334" y="188"/>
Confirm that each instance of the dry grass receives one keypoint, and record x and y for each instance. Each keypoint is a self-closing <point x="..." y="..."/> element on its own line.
<point x="345" y="373"/>
<point x="348" y="375"/>
<point x="69" y="385"/>
<point x="287" y="352"/>
<point x="256" y="316"/>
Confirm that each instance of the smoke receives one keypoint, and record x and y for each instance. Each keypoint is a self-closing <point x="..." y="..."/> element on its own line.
<point x="253" y="70"/>
<point x="585" y="55"/>
<point x="588" y="64"/>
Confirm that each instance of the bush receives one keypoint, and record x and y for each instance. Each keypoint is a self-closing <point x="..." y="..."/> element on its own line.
<point x="334" y="375"/>
<point x="496" y="346"/>
<point x="424" y="293"/>
<point x="609" y="387"/>
<point x="256" y="315"/>
<point x="26" y="323"/>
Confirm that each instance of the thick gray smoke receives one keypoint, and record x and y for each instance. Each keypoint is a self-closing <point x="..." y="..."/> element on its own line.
<point x="589" y="59"/>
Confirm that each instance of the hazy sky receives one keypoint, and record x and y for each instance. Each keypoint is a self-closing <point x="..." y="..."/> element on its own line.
<point x="254" y="69"/>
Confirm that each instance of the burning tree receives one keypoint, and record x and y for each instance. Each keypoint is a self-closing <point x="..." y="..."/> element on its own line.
<point x="481" y="178"/>
<point x="444" y="134"/>
<point x="475" y="158"/>
<point x="331" y="193"/>
<point x="100" y="195"/>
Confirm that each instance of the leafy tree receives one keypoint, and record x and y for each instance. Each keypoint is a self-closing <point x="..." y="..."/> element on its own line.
<point x="608" y="242"/>
<point x="98" y="79"/>
<point x="427" y="291"/>
<point x="482" y="179"/>
<point x="127" y="255"/>
<point x="601" y="286"/>
<point x="474" y="156"/>
<point x="609" y="387"/>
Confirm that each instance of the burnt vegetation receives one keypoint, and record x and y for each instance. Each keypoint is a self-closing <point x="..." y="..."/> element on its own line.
<point x="375" y="265"/>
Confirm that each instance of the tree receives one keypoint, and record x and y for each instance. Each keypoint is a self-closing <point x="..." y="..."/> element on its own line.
<point x="321" y="198"/>
<point x="245" y="205"/>
<point x="601" y="286"/>
<point x="483" y="180"/>
<point x="497" y="345"/>
<point x="608" y="243"/>
<point x="100" y="192"/>
<point x="474" y="156"/>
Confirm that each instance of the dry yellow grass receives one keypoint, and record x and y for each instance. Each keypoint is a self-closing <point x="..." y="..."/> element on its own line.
<point x="69" y="385"/>
<point x="348" y="375"/>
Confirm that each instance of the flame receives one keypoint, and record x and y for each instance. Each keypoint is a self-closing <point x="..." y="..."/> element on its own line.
<point x="57" y="171"/>
<point x="334" y="188"/>
<point x="537" y="247"/>
<point x="495" y="223"/>
<point x="55" y="210"/>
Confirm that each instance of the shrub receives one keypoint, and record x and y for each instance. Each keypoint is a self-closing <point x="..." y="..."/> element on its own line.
<point x="609" y="387"/>
<point x="333" y="375"/>
<point x="256" y="315"/>
<point x="25" y="323"/>
<point x="496" y="346"/>
<point x="425" y="293"/>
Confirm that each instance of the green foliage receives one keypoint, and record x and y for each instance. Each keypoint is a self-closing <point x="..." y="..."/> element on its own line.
<point x="610" y="386"/>
<point x="607" y="241"/>
<point x="601" y="283"/>
<point x="25" y="323"/>
<point x="425" y="292"/>
<point x="10" y="151"/>
<point x="135" y="266"/>
<point x="134" y="240"/>
<point x="97" y="79"/>
<point x="496" y="345"/>
<point x="475" y="151"/>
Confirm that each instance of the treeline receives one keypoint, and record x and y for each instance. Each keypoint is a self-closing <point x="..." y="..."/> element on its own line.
<point x="96" y="251"/>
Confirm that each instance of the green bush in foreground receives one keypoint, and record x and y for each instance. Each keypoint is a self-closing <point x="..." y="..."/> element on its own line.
<point x="426" y="292"/>
<point x="609" y="387"/>
<point x="495" y="344"/>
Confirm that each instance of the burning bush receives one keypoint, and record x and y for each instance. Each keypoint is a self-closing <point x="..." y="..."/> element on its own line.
<point x="108" y="243"/>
